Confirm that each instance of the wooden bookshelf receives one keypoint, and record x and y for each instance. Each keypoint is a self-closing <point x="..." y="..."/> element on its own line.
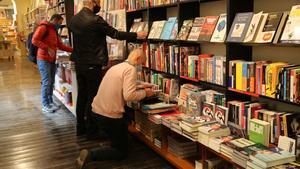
<point x="176" y="161"/>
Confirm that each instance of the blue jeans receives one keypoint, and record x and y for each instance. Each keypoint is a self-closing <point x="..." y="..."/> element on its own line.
<point x="47" y="70"/>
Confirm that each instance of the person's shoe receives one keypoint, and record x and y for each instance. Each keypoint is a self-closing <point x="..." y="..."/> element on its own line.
<point x="82" y="159"/>
<point x="47" y="109"/>
<point x="54" y="106"/>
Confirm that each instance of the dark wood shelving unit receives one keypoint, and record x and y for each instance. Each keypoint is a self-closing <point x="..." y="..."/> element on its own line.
<point x="243" y="51"/>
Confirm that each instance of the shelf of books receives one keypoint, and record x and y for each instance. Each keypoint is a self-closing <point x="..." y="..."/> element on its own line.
<point x="65" y="86"/>
<point x="236" y="63"/>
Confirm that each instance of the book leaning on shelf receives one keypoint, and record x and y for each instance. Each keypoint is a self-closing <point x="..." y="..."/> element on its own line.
<point x="185" y="30"/>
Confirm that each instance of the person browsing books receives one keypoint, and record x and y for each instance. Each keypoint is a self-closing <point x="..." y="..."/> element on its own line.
<point x="117" y="87"/>
<point x="90" y="56"/>
<point x="47" y="40"/>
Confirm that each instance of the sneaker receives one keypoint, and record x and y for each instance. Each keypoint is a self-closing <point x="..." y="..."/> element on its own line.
<point x="82" y="159"/>
<point x="47" y="109"/>
<point x="54" y="106"/>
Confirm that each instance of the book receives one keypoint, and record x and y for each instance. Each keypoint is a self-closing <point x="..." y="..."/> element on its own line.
<point x="253" y="27"/>
<point x="219" y="34"/>
<point x="271" y="157"/>
<point x="135" y="25"/>
<point x="208" y="28"/>
<point x="239" y="27"/>
<point x="159" y="29"/>
<point x="196" y="29"/>
<point x="259" y="131"/>
<point x="167" y="30"/>
<point x="281" y="25"/>
<point x="270" y="26"/>
<point x="193" y="66"/>
<point x="174" y="30"/>
<point x="208" y="109"/>
<point x="153" y="30"/>
<point x="290" y="33"/>
<point x="194" y="103"/>
<point x="221" y="114"/>
<point x="185" y="30"/>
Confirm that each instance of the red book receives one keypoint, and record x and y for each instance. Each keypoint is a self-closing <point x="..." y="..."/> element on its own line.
<point x="208" y="28"/>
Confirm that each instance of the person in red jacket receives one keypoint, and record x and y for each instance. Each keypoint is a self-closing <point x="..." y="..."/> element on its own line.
<point x="47" y="40"/>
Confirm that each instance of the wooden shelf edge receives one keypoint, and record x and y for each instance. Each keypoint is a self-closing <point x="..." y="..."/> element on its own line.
<point x="177" y="162"/>
<point x="244" y="92"/>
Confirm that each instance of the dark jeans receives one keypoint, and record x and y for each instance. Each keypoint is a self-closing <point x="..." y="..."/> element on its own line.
<point x="117" y="131"/>
<point x="88" y="78"/>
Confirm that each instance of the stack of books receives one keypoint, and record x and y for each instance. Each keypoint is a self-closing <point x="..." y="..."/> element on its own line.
<point x="159" y="107"/>
<point x="215" y="142"/>
<point x="212" y="130"/>
<point x="181" y="147"/>
<point x="241" y="155"/>
<point x="227" y="148"/>
<point x="147" y="127"/>
<point x="190" y="126"/>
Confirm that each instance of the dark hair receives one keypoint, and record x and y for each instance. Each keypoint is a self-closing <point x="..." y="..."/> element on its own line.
<point x="56" y="16"/>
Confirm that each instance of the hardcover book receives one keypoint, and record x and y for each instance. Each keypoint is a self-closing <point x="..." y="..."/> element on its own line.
<point x="239" y="27"/>
<point x="253" y="27"/>
<point x="185" y="30"/>
<point x="208" y="28"/>
<point x="166" y="33"/>
<point x="221" y="114"/>
<point x="219" y="34"/>
<point x="196" y="29"/>
<point x="208" y="109"/>
<point x="267" y="34"/>
<point x="259" y="131"/>
<point x="291" y="33"/>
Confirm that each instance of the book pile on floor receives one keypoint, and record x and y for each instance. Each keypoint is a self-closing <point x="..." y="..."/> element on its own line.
<point x="181" y="147"/>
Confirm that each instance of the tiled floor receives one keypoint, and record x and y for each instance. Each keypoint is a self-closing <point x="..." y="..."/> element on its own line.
<point x="30" y="139"/>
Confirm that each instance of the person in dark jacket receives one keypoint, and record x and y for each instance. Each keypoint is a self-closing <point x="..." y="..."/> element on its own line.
<point x="90" y="56"/>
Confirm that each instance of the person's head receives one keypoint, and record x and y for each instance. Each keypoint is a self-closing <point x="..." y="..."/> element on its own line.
<point x="137" y="57"/>
<point x="56" y="20"/>
<point x="93" y="5"/>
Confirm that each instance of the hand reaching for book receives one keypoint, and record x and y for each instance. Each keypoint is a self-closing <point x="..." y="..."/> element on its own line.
<point x="142" y="35"/>
<point x="149" y="92"/>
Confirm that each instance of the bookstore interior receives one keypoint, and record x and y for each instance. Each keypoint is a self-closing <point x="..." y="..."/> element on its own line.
<point x="227" y="71"/>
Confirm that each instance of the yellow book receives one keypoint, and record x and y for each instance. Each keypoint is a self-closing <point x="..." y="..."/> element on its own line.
<point x="239" y="75"/>
<point x="272" y="72"/>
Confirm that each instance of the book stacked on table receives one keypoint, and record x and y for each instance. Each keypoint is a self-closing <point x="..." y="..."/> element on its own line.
<point x="212" y="130"/>
<point x="181" y="147"/>
<point x="215" y="142"/>
<point x="227" y="148"/>
<point x="191" y="124"/>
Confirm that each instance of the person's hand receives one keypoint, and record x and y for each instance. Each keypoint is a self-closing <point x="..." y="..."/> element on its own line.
<point x="51" y="52"/>
<point x="149" y="92"/>
<point x="142" y="35"/>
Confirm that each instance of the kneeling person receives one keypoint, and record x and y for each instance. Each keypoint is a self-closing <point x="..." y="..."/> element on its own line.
<point x="117" y="87"/>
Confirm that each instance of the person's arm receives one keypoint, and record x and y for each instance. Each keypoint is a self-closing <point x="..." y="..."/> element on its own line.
<point x="130" y="91"/>
<point x="38" y="36"/>
<point x="104" y="27"/>
<point x="63" y="47"/>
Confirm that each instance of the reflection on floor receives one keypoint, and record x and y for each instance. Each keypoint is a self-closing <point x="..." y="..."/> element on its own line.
<point x="30" y="139"/>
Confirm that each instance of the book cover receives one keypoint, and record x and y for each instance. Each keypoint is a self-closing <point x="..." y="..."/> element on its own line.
<point x="166" y="33"/>
<point x="280" y="28"/>
<point x="208" y="28"/>
<point x="221" y="114"/>
<point x="159" y="29"/>
<point x="259" y="131"/>
<point x="195" y="101"/>
<point x="208" y="109"/>
<point x="267" y="34"/>
<point x="174" y="30"/>
<point x="153" y="30"/>
<point x="253" y="27"/>
<point x="219" y="34"/>
<point x="193" y="66"/>
<point x="290" y="32"/>
<point x="196" y="29"/>
<point x="185" y="30"/>
<point x="239" y="27"/>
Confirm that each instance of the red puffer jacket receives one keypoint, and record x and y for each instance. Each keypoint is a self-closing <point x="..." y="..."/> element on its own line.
<point x="44" y="42"/>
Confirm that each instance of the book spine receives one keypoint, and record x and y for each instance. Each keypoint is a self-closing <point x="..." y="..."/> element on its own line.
<point x="292" y="76"/>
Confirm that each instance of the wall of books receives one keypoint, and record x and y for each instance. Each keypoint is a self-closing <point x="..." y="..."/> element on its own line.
<point x="228" y="76"/>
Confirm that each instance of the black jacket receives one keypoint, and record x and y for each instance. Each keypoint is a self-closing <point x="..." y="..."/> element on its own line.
<point x="89" y="37"/>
